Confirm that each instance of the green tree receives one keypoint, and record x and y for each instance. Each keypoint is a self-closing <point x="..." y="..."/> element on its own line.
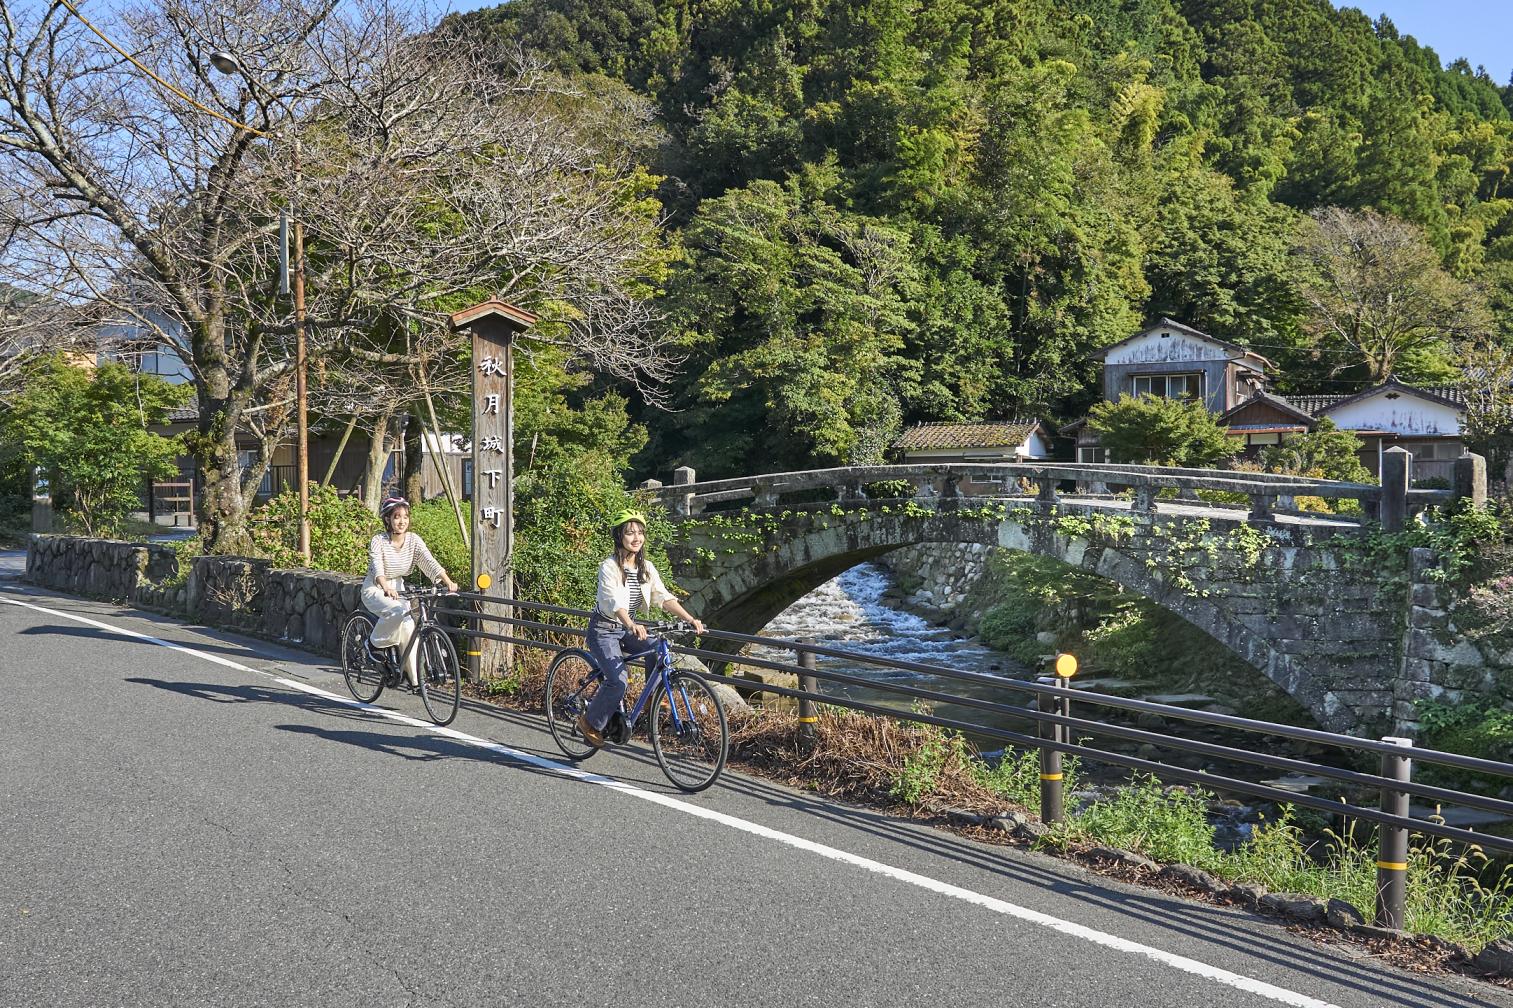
<point x="1375" y="291"/>
<point x="1325" y="452"/>
<point x="88" y="430"/>
<point x="795" y="314"/>
<point x="1153" y="429"/>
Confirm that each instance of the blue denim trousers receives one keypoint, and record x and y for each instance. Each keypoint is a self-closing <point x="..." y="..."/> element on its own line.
<point x="613" y="648"/>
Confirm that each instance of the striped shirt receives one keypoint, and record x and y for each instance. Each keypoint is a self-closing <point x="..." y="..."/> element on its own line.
<point x="396" y="563"/>
<point x="633" y="584"/>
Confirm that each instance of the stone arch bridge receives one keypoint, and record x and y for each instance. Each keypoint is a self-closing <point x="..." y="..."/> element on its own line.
<point x="1292" y="593"/>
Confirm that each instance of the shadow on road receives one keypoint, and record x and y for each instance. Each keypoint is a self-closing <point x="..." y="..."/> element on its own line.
<point x="220" y="693"/>
<point x="95" y="633"/>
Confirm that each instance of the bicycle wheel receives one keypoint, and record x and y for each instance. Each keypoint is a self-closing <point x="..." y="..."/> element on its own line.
<point x="365" y="677"/>
<point x="571" y="682"/>
<point x="688" y="732"/>
<point x="440" y="676"/>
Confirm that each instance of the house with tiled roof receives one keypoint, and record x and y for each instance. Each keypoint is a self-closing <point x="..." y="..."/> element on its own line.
<point x="991" y="441"/>
<point x="1015" y="440"/>
<point x="1174" y="361"/>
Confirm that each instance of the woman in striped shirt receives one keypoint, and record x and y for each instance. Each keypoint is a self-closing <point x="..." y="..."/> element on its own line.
<point x="392" y="557"/>
<point x="627" y="582"/>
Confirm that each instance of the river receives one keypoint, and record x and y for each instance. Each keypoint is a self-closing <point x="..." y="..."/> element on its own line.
<point x="849" y="612"/>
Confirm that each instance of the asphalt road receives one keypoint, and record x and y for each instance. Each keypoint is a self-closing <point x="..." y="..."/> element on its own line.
<point x="210" y="830"/>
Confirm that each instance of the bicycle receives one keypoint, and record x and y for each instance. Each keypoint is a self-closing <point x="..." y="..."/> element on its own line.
<point x="369" y="670"/>
<point x="689" y="733"/>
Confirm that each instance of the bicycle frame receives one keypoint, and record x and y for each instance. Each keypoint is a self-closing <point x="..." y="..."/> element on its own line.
<point x="660" y="673"/>
<point x="424" y="599"/>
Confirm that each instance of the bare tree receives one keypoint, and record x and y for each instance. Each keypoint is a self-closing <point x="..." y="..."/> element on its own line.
<point x="430" y="178"/>
<point x="1373" y="285"/>
<point x="1488" y="386"/>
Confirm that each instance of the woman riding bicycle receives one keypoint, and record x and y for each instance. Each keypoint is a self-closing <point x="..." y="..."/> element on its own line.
<point x="627" y="582"/>
<point x="392" y="556"/>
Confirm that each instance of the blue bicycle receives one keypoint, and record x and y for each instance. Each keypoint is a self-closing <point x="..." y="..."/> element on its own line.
<point x="689" y="733"/>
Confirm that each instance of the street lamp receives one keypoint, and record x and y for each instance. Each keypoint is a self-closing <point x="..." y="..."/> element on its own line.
<point x="227" y="63"/>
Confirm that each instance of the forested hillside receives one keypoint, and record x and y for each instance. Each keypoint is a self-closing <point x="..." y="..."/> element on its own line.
<point x="884" y="211"/>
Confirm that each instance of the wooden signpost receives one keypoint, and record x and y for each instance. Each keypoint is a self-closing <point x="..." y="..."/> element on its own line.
<point x="494" y="326"/>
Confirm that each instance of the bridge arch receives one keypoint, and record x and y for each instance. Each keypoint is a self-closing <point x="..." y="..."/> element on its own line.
<point x="744" y="588"/>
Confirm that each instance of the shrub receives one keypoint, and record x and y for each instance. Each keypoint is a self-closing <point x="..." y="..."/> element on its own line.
<point x="1152" y="429"/>
<point x="563" y="511"/>
<point x="340" y="530"/>
<point x="436" y="523"/>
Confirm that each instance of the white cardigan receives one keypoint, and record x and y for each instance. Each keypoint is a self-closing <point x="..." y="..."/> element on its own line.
<point x="614" y="593"/>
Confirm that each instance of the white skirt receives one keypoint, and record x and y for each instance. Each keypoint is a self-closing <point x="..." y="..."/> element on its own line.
<point x="394" y="624"/>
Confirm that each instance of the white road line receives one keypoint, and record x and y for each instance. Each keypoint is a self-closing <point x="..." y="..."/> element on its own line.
<point x="1248" y="984"/>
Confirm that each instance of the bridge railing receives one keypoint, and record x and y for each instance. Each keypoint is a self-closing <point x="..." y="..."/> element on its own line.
<point x="1267" y="493"/>
<point x="1046" y="708"/>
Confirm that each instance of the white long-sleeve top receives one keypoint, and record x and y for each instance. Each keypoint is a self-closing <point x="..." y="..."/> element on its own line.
<point x="396" y="563"/>
<point x="614" y="591"/>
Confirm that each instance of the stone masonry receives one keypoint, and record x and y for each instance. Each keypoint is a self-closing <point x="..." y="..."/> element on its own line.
<point x="1295" y="602"/>
<point x="298" y="607"/>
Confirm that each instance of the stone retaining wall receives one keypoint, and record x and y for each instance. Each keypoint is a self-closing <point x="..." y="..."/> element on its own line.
<point x="1454" y="649"/>
<point x="936" y="577"/>
<point x="298" y="607"/>
<point x="101" y="568"/>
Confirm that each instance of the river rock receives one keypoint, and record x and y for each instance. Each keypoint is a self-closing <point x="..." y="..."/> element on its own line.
<point x="1343" y="915"/>
<point x="1496" y="957"/>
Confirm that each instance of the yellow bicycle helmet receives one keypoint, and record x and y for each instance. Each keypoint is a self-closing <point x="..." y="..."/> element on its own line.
<point x="627" y="516"/>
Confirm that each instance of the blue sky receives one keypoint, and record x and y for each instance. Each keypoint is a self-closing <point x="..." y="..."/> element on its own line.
<point x="1479" y="30"/>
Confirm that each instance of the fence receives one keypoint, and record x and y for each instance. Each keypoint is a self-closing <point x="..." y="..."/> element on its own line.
<point x="1268" y="494"/>
<point x="1049" y="704"/>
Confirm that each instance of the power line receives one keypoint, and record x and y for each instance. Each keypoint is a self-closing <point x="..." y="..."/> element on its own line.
<point x="134" y="62"/>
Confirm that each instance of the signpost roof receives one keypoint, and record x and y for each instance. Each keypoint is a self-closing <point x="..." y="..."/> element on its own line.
<point x="502" y="310"/>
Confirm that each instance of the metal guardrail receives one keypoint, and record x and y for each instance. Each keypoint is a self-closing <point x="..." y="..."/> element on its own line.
<point x="1267" y="493"/>
<point x="1050" y="709"/>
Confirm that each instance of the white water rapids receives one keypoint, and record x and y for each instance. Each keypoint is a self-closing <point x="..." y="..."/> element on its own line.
<point x="849" y="612"/>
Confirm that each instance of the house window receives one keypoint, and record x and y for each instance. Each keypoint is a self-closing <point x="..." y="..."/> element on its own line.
<point x="1263" y="439"/>
<point x="1092" y="454"/>
<point x="1434" y="450"/>
<point x="1170" y="386"/>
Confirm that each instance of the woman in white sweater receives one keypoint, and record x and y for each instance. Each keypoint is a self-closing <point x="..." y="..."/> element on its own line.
<point x="393" y="556"/>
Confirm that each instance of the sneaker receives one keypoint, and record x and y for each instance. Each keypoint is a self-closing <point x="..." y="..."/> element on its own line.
<point x="590" y="735"/>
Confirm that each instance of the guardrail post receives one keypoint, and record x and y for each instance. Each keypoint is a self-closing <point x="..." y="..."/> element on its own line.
<point x="948" y="492"/>
<point x="1397" y="467"/>
<point x="766" y="493"/>
<point x="1145" y="499"/>
<point x="1261" y="505"/>
<point x="807" y="716"/>
<point x="1392" y="842"/>
<point x="474" y="643"/>
<point x="1052" y="804"/>
<point x="1470" y="482"/>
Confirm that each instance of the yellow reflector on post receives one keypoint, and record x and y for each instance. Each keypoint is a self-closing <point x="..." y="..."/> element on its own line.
<point x="484" y="581"/>
<point x="1066" y="666"/>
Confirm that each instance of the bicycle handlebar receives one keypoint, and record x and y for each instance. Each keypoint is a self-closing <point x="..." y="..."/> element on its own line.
<point x="670" y="627"/>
